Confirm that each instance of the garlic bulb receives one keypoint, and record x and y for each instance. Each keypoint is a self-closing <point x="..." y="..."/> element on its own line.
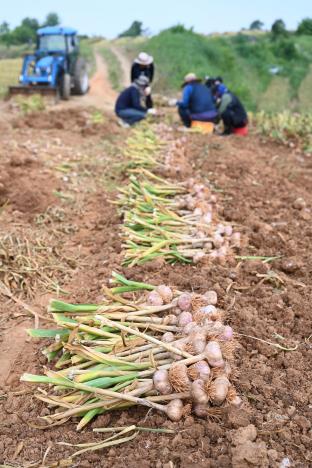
<point x="198" y="341"/>
<point x="185" y="302"/>
<point x="228" y="230"/>
<point x="168" y="337"/>
<point x="208" y="310"/>
<point x="226" y="334"/>
<point x="201" y="410"/>
<point x="154" y="299"/>
<point x="174" y="410"/>
<point x="165" y="293"/>
<point x="170" y="320"/>
<point x="198" y="392"/>
<point x="211" y="297"/>
<point x="189" y="327"/>
<point x="213" y="354"/>
<point x="199" y="370"/>
<point x="185" y="318"/>
<point x="218" y="390"/>
<point x="161" y="382"/>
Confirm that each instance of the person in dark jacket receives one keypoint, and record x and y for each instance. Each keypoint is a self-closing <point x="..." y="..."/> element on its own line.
<point x="129" y="106"/>
<point x="143" y="65"/>
<point x="230" y="109"/>
<point x="197" y="102"/>
<point x="210" y="82"/>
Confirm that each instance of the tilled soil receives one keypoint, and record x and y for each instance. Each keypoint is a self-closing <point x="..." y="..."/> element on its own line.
<point x="258" y="184"/>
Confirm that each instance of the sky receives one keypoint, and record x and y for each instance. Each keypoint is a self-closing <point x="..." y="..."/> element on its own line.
<point x="110" y="17"/>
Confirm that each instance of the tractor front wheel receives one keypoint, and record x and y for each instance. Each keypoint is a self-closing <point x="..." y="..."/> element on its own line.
<point x="65" y="86"/>
<point x="81" y="80"/>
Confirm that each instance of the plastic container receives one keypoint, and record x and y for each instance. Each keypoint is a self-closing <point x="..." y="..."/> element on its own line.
<point x="243" y="131"/>
<point x="204" y="127"/>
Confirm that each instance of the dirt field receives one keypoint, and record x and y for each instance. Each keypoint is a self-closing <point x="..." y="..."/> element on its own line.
<point x="58" y="173"/>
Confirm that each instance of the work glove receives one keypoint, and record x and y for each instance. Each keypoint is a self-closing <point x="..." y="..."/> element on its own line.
<point x="152" y="111"/>
<point x="172" y="102"/>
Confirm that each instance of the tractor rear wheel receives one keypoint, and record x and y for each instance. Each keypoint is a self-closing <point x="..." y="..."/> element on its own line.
<point x="65" y="86"/>
<point x="81" y="79"/>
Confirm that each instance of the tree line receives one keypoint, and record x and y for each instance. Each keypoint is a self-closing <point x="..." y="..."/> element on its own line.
<point x="26" y="31"/>
<point x="279" y="27"/>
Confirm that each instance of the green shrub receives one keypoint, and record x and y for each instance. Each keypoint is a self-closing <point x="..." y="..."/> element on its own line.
<point x="305" y="26"/>
<point x="278" y="29"/>
<point x="285" y="48"/>
<point x="136" y="29"/>
<point x="179" y="29"/>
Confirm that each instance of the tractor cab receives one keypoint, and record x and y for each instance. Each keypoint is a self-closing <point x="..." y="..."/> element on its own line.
<point x="56" y="40"/>
<point x="55" y="66"/>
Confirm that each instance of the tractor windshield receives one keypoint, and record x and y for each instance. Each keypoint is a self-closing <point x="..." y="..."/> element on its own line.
<point x="53" y="42"/>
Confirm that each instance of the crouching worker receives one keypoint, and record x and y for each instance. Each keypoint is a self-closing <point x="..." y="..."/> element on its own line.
<point x="197" y="102"/>
<point x="135" y="102"/>
<point x="231" y="110"/>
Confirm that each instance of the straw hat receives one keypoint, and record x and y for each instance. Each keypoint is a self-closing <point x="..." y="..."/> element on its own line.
<point x="144" y="59"/>
<point x="189" y="78"/>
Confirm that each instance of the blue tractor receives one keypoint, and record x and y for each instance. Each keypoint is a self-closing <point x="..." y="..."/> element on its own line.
<point x="55" y="68"/>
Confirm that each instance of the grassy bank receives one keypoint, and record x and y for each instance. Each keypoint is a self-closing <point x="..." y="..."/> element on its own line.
<point x="14" y="51"/>
<point x="113" y="65"/>
<point x="244" y="60"/>
<point x="10" y="70"/>
<point x="87" y="52"/>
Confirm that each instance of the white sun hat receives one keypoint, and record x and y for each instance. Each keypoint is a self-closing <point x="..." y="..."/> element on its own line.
<point x="144" y="59"/>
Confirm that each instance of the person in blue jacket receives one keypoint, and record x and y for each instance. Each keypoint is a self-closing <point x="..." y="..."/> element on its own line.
<point x="197" y="102"/>
<point x="129" y="105"/>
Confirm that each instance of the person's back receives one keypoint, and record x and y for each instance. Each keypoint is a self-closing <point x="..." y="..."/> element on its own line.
<point x="201" y="99"/>
<point x="230" y="109"/>
<point x="237" y="107"/>
<point x="197" y="103"/>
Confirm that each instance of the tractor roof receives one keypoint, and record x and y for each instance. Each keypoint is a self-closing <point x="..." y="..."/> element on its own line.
<point x="57" y="30"/>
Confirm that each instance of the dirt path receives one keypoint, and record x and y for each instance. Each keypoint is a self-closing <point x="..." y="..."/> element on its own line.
<point x="124" y="63"/>
<point x="100" y="87"/>
<point x="101" y="95"/>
